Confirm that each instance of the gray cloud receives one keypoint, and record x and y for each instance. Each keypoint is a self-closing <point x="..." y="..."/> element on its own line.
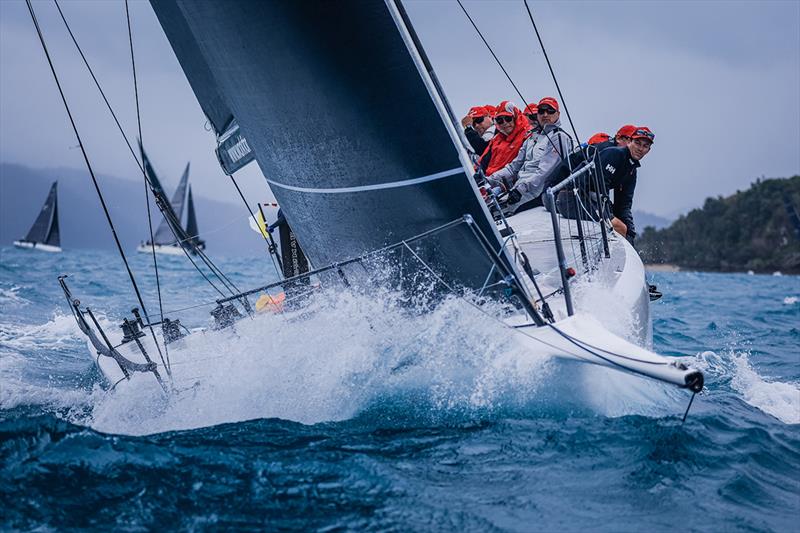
<point x="717" y="81"/>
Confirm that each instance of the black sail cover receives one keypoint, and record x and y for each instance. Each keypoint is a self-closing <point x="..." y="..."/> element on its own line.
<point x="45" y="228"/>
<point x="342" y="124"/>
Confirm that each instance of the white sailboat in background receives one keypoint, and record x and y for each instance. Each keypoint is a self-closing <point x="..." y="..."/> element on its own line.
<point x="44" y="235"/>
<point x="164" y="238"/>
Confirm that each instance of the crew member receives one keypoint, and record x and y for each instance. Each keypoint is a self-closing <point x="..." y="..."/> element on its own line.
<point x="512" y="130"/>
<point x="619" y="165"/>
<point x="479" y="127"/>
<point x="531" y="111"/>
<point x="540" y="153"/>
<point x="622" y="138"/>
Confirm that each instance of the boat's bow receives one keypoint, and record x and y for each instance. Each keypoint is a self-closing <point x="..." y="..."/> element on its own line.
<point x="583" y="338"/>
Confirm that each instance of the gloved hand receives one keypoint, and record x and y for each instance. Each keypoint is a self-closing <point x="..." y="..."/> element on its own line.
<point x="514" y="196"/>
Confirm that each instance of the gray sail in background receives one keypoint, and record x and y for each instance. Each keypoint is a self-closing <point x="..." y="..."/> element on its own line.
<point x="191" y="222"/>
<point x="342" y="124"/>
<point x="163" y="234"/>
<point x="45" y="228"/>
<point x="179" y="196"/>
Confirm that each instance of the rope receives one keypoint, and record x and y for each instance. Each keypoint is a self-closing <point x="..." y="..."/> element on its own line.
<point x="86" y="157"/>
<point x="686" y="413"/>
<point x="492" y="52"/>
<point x="130" y="148"/>
<point x="266" y="240"/>
<point x="552" y="73"/>
<point x="147" y="203"/>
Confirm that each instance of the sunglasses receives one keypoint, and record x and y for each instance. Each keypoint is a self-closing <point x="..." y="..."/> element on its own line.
<point x="532" y="116"/>
<point x="546" y="111"/>
<point x="502" y="119"/>
<point x="478" y="120"/>
<point x="644" y="133"/>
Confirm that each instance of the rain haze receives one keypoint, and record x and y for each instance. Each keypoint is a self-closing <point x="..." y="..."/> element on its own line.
<point x="718" y="82"/>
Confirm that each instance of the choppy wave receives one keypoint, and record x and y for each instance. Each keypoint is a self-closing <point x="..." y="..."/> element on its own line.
<point x="365" y="415"/>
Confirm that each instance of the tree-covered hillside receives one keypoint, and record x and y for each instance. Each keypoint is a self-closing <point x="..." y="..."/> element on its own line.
<point x="756" y="229"/>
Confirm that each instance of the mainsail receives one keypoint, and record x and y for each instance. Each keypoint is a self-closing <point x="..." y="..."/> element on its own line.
<point x="179" y="195"/>
<point x="164" y="233"/>
<point x="191" y="222"/>
<point x="45" y="229"/>
<point x="354" y="141"/>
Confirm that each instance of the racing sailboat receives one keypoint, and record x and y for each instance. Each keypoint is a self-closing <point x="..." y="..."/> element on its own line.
<point x="357" y="191"/>
<point x="44" y="235"/>
<point x="165" y="235"/>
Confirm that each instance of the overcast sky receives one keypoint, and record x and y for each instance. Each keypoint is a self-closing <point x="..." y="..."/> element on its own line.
<point x="718" y="82"/>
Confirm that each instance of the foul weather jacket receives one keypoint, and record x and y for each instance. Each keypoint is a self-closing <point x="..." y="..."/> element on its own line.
<point x="619" y="174"/>
<point x="538" y="156"/>
<point x="503" y="149"/>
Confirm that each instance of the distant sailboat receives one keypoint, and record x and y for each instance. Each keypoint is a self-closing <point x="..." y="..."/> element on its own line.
<point x="191" y="223"/>
<point x="164" y="237"/>
<point x="44" y="235"/>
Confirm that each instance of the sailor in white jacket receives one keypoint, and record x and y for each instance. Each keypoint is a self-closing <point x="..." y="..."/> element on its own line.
<point x="541" y="152"/>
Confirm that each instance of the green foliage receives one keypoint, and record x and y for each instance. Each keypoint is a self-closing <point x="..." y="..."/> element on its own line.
<point x="750" y="230"/>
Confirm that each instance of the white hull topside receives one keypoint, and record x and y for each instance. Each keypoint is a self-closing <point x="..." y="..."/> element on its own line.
<point x="166" y="249"/>
<point x="37" y="246"/>
<point x="586" y="336"/>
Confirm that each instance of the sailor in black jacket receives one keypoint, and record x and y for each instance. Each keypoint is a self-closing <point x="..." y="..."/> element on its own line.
<point x="619" y="166"/>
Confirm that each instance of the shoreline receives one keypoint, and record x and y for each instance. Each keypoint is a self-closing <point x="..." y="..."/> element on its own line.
<point x="670" y="267"/>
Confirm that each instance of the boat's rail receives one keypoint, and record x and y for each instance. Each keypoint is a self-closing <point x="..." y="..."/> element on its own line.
<point x="578" y="205"/>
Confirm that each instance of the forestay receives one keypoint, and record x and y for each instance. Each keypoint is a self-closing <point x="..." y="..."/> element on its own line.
<point x="345" y="124"/>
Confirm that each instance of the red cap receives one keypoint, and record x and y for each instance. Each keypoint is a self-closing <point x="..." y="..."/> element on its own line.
<point x="626" y="130"/>
<point x="478" y="111"/>
<point x="549" y="100"/>
<point x="643" y="132"/>
<point x="598" y="138"/>
<point x="530" y="109"/>
<point x="506" y="109"/>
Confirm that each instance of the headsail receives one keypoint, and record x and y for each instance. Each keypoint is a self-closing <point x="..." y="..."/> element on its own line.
<point x="45" y="228"/>
<point x="342" y="121"/>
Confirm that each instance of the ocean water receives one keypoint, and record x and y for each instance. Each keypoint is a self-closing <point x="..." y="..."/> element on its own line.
<point x="362" y="417"/>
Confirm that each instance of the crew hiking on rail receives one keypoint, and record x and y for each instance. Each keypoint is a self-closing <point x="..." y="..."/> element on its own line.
<point x="518" y="154"/>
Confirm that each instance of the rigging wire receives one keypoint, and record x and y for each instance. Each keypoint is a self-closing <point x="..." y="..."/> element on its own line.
<point x="270" y="245"/>
<point x="214" y="269"/>
<point x="147" y="198"/>
<point x="133" y="153"/>
<point x="492" y="52"/>
<point x="86" y="157"/>
<point x="552" y="72"/>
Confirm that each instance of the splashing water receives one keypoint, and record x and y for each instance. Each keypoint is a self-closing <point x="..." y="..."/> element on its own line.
<point x="437" y="419"/>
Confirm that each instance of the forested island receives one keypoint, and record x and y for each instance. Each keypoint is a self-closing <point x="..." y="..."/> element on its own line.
<point x="757" y="229"/>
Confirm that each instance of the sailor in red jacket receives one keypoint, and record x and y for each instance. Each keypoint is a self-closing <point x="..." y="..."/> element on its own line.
<point x="512" y="130"/>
